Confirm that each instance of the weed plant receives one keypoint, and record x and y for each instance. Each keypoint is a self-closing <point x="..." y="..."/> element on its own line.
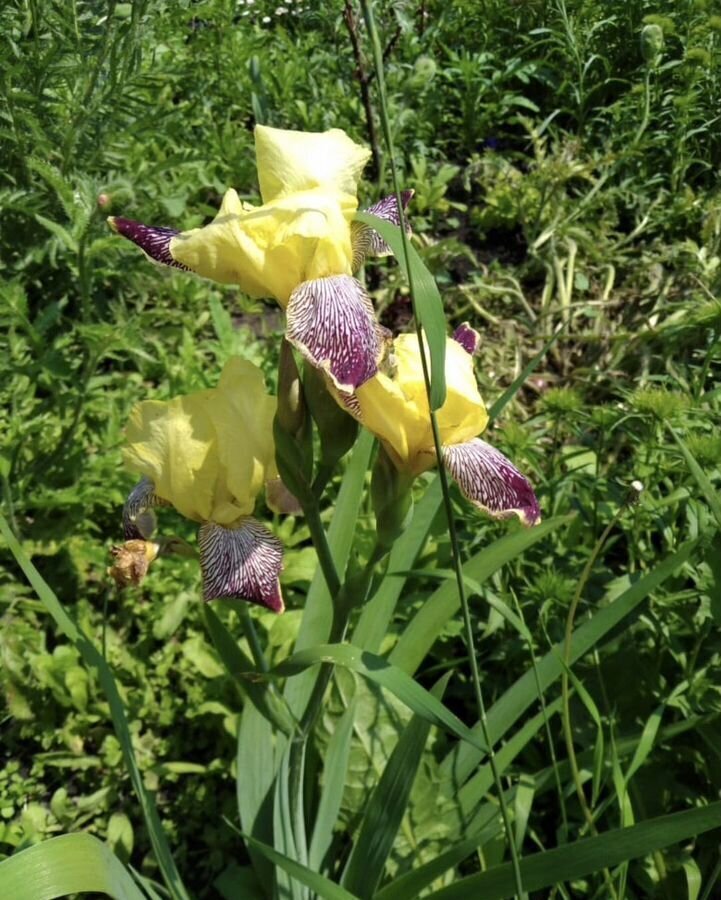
<point x="564" y="158"/>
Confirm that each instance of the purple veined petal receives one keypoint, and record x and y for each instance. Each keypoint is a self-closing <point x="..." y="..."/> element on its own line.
<point x="331" y="321"/>
<point x="467" y="337"/>
<point x="138" y="517"/>
<point x="491" y="482"/>
<point x="241" y="563"/>
<point x="366" y="241"/>
<point x="153" y="241"/>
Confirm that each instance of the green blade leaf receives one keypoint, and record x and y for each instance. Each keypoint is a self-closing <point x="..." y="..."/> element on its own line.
<point x="318" y="609"/>
<point x="256" y="766"/>
<point x="381" y="672"/>
<point x="322" y="886"/>
<point x="335" y="768"/>
<point x="377" y="613"/>
<point x="506" y="711"/>
<point x="68" y="864"/>
<point x="542" y="870"/>
<point x="420" y="633"/>
<point x="387" y="805"/>
<point x="710" y="494"/>
<point x="511" y="391"/>
<point x="428" y="303"/>
<point x="92" y="658"/>
<point x="239" y="666"/>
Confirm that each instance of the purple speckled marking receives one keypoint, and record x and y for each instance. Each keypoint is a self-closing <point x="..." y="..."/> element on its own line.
<point x="366" y="241"/>
<point x="241" y="563"/>
<point x="467" y="337"/>
<point x="332" y="322"/>
<point x="154" y="241"/>
<point x="492" y="482"/>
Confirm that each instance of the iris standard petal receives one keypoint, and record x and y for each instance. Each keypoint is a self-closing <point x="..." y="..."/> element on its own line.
<point x="207" y="453"/>
<point x="366" y="240"/>
<point x="332" y="323"/>
<point x="269" y="250"/>
<point x="292" y="161"/>
<point x="139" y="520"/>
<point x="241" y="563"/>
<point x="491" y="482"/>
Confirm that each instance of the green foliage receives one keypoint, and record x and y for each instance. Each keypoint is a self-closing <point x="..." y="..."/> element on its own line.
<point x="564" y="157"/>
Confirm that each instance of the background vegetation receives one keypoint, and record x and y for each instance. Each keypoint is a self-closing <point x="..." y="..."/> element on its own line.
<point x="565" y="161"/>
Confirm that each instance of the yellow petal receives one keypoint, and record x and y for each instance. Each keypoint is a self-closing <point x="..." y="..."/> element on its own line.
<point x="292" y="161"/>
<point x="396" y="408"/>
<point x="210" y="452"/>
<point x="271" y="249"/>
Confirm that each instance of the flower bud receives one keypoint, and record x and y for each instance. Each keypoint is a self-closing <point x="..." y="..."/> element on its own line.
<point x="392" y="499"/>
<point x="651" y="43"/>
<point x="336" y="428"/>
<point x="291" y="429"/>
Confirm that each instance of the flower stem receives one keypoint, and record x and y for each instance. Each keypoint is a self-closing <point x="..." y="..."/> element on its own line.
<point x="366" y="6"/>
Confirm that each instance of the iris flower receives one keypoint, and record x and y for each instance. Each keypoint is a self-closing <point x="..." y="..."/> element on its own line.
<point x="301" y="247"/>
<point x="209" y="454"/>
<point x="394" y="406"/>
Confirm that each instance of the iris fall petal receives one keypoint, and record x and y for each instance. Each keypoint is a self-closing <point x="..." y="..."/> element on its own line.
<point x="332" y="323"/>
<point x="241" y="563"/>
<point x="491" y="482"/>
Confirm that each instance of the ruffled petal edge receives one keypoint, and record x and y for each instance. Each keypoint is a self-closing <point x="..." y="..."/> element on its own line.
<point x="491" y="481"/>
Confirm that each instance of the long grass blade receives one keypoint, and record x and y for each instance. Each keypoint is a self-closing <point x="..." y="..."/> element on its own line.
<point x="95" y="660"/>
<point x="421" y="632"/>
<point x="381" y="672"/>
<point x="387" y="805"/>
<point x="323" y="887"/>
<point x="462" y="761"/>
<point x="542" y="870"/>
<point x="428" y="305"/>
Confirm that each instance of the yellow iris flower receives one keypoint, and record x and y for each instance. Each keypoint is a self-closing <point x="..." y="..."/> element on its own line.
<point x="298" y="247"/>
<point x="209" y="454"/>
<point x="394" y="406"/>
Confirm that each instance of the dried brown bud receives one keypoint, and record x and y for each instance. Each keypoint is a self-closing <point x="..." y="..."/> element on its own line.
<point x="131" y="561"/>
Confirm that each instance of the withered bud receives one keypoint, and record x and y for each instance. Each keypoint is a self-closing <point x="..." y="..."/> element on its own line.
<point x="131" y="562"/>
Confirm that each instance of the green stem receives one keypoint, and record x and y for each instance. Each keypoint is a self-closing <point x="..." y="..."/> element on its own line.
<point x="366" y="6"/>
<point x="251" y="635"/>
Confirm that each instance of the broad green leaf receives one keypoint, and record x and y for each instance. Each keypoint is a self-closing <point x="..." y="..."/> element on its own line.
<point x="377" y="613"/>
<point x="379" y="670"/>
<point x="289" y="823"/>
<point x="323" y="887"/>
<point x="428" y="302"/>
<point x="421" y="632"/>
<point x="318" y="608"/>
<point x="69" y="864"/>
<point x="94" y="659"/>
<point x="387" y="805"/>
<point x="506" y="711"/>
<point x="256" y="766"/>
<point x="571" y="861"/>
<point x="335" y="767"/>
